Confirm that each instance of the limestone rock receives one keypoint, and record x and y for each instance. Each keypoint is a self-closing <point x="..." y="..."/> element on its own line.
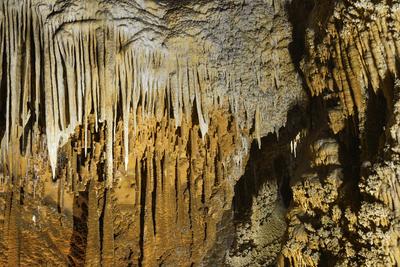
<point x="199" y="133"/>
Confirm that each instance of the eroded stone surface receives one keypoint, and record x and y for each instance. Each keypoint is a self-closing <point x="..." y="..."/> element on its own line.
<point x="130" y="129"/>
<point x="128" y="122"/>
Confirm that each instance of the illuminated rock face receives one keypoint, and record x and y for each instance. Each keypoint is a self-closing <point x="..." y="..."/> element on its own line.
<point x="206" y="133"/>
<point x="127" y="123"/>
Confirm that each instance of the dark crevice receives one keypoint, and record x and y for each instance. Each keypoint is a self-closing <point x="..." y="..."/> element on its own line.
<point x="76" y="256"/>
<point x="3" y="98"/>
<point x="216" y="160"/>
<point x="176" y="188"/>
<point x="349" y="157"/>
<point x="21" y="196"/>
<point x="154" y="196"/>
<point x="143" y="189"/>
<point x="281" y="170"/>
<point x="189" y="188"/>
<point x="299" y="12"/>
<point x="101" y="219"/>
<point x="375" y="124"/>
<point x="64" y="81"/>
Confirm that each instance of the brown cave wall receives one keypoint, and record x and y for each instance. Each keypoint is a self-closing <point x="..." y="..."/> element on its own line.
<point x="124" y="125"/>
<point x="343" y="211"/>
<point x="162" y="201"/>
<point x="219" y="133"/>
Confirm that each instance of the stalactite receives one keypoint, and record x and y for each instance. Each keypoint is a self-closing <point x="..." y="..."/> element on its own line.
<point x="78" y="71"/>
<point x="362" y="56"/>
<point x="92" y="94"/>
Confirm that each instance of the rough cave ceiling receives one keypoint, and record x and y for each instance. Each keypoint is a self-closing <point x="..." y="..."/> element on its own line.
<point x="199" y="133"/>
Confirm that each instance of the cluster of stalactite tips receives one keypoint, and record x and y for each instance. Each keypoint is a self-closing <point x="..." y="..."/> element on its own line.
<point x="199" y="133"/>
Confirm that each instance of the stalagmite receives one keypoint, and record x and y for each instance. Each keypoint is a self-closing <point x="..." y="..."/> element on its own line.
<point x="129" y="133"/>
<point x="92" y="257"/>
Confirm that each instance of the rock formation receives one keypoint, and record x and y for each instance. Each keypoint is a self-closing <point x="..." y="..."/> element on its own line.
<point x="199" y="133"/>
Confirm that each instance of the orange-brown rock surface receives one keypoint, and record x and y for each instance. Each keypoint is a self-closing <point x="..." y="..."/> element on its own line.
<point x="199" y="133"/>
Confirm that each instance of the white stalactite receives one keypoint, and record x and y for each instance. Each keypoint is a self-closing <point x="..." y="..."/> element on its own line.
<point x="84" y="69"/>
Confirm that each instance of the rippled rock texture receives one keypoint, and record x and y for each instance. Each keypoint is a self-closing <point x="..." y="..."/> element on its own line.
<point x="199" y="133"/>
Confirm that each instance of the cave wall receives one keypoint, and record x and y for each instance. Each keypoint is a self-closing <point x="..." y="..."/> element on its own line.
<point x="199" y="133"/>
<point x="344" y="211"/>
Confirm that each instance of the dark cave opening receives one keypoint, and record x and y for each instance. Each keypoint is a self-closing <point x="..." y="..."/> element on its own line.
<point x="265" y="164"/>
<point x="272" y="162"/>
